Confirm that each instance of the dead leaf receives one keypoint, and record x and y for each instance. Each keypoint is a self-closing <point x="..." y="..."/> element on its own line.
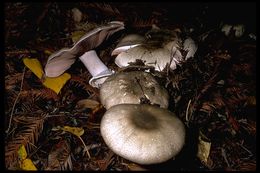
<point x="78" y="131"/>
<point x="54" y="84"/>
<point x="28" y="165"/>
<point x="203" y="149"/>
<point x="22" y="154"/>
<point x="57" y="83"/>
<point x="87" y="103"/>
<point x="25" y="163"/>
<point x="60" y="157"/>
<point x="135" y="167"/>
<point x="34" y="65"/>
<point x="251" y="100"/>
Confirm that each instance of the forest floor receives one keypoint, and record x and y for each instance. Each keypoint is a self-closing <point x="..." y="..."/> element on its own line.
<point x="213" y="93"/>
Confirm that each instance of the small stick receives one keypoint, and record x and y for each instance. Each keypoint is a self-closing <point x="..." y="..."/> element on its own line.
<point x="86" y="148"/>
<point x="223" y="153"/>
<point x="187" y="111"/>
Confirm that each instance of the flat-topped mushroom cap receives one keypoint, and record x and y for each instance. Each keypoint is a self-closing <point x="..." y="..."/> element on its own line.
<point x="131" y="87"/>
<point x="144" y="134"/>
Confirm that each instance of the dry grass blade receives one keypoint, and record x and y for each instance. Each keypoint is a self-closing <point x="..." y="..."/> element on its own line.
<point x="28" y="134"/>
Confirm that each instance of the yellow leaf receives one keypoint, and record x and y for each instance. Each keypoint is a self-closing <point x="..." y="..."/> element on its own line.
<point x="34" y="65"/>
<point x="22" y="154"/>
<point x="78" y="131"/>
<point x="28" y="165"/>
<point x="56" y="83"/>
<point x="203" y="149"/>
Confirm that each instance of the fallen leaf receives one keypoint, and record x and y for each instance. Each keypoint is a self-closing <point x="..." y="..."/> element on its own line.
<point x="251" y="101"/>
<point x="78" y="131"/>
<point x="34" y="65"/>
<point x="135" y="167"/>
<point x="22" y="154"/>
<point x="55" y="83"/>
<point x="87" y="103"/>
<point x="203" y="149"/>
<point x="28" y="165"/>
<point x="25" y="163"/>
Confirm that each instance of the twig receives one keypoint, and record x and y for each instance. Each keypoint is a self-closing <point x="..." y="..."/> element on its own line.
<point x="86" y="148"/>
<point x="223" y="153"/>
<point x="11" y="116"/>
<point x="187" y="111"/>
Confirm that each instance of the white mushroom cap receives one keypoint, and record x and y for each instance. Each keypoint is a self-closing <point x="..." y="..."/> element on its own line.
<point x="158" y="58"/>
<point x="158" y="50"/>
<point x="128" y="42"/>
<point x="143" y="134"/>
<point x="130" y="87"/>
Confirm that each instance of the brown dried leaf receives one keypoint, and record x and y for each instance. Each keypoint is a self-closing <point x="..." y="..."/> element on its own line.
<point x="87" y="103"/>
<point x="60" y="157"/>
<point x="29" y="134"/>
<point x="203" y="149"/>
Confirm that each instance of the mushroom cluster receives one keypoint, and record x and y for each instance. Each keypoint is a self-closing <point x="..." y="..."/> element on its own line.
<point x="143" y="133"/>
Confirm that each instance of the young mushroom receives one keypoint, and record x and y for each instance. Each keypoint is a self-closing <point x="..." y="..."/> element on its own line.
<point x="143" y="134"/>
<point x="132" y="87"/>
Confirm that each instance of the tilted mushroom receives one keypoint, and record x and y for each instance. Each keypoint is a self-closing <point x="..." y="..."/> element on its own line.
<point x="62" y="60"/>
<point x="128" y="42"/>
<point x="159" y="49"/>
<point x="144" y="134"/>
<point x="131" y="87"/>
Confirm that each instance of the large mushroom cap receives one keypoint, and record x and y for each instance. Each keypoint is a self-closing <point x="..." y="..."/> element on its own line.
<point x="131" y="87"/>
<point x="144" y="134"/>
<point x="158" y="58"/>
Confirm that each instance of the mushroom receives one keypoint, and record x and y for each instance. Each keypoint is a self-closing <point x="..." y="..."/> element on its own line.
<point x="132" y="87"/>
<point x="128" y="42"/>
<point x="61" y="60"/>
<point x="159" y="49"/>
<point x="238" y="30"/>
<point x="144" y="134"/>
<point x="96" y="67"/>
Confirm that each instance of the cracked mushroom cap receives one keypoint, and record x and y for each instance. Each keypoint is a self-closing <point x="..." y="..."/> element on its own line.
<point x="132" y="87"/>
<point x="143" y="134"/>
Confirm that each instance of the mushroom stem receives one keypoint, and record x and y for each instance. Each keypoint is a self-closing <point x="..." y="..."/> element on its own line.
<point x="96" y="67"/>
